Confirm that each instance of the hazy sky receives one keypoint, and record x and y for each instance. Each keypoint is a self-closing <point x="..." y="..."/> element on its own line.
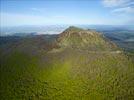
<point x="44" y="12"/>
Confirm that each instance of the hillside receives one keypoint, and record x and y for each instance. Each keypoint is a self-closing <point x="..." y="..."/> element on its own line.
<point x="77" y="65"/>
<point x="84" y="39"/>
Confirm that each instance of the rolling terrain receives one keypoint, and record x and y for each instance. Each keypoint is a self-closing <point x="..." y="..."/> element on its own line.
<point x="74" y="65"/>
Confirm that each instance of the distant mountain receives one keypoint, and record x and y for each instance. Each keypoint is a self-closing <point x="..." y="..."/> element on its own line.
<point x="124" y="39"/>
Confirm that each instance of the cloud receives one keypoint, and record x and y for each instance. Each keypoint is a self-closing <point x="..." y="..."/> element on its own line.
<point x="124" y="10"/>
<point x="121" y="9"/>
<point x="120" y="6"/>
<point x="116" y="3"/>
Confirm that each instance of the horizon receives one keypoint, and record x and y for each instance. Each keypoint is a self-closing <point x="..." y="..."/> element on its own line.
<point x="56" y="29"/>
<point x="66" y="12"/>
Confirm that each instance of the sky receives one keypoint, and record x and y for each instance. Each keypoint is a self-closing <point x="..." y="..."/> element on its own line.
<point x="52" y="12"/>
